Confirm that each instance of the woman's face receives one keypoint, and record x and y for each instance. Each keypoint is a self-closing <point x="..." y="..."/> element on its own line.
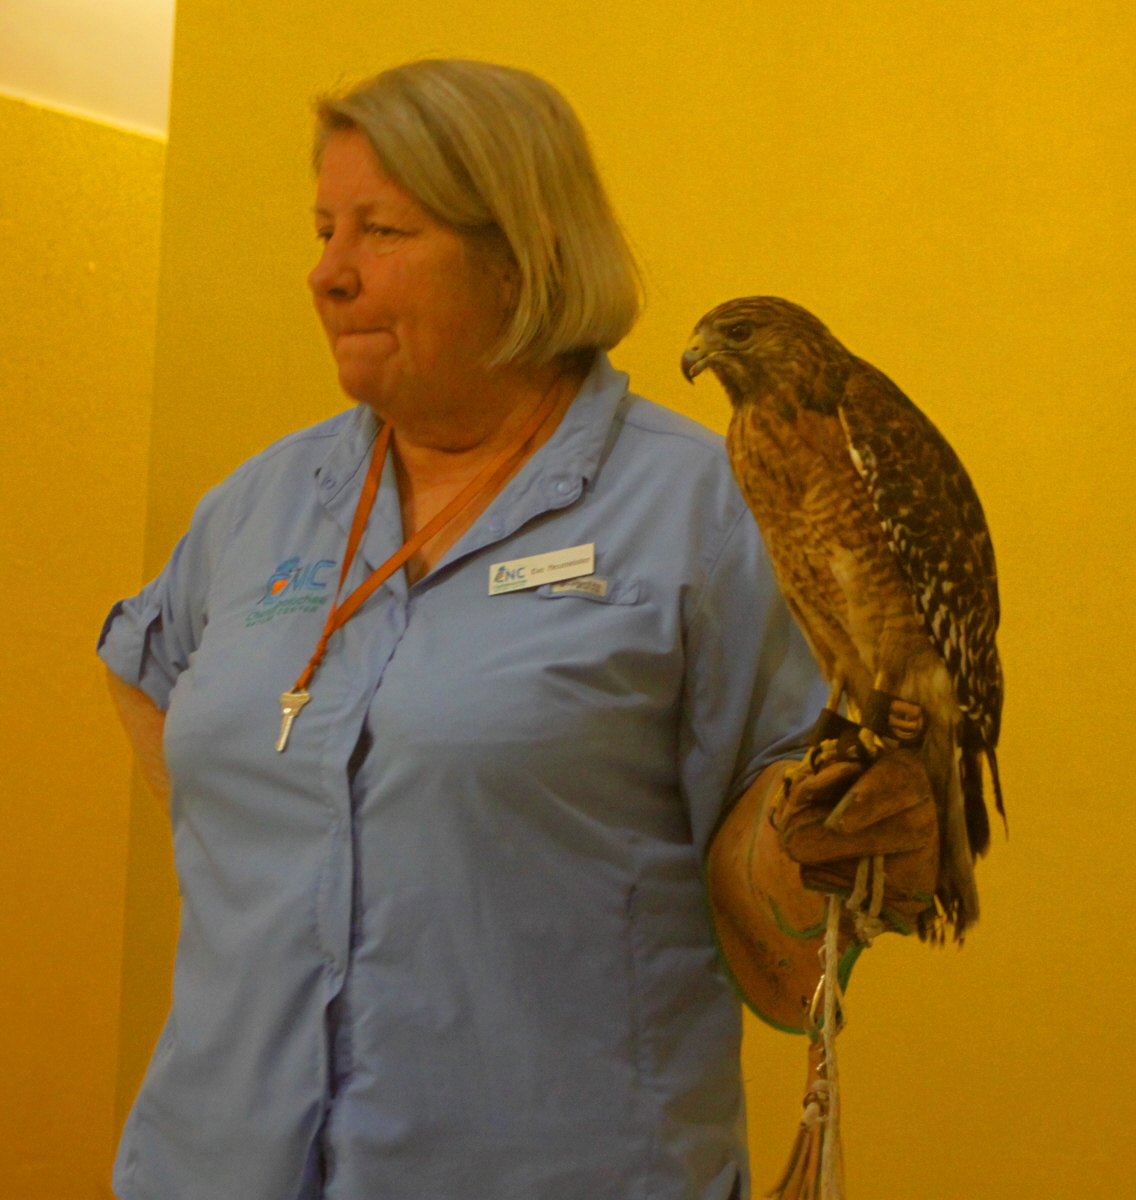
<point x="408" y="310"/>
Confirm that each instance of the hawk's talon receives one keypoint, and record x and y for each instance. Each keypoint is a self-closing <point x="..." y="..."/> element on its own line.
<point x="872" y="743"/>
<point x="816" y="759"/>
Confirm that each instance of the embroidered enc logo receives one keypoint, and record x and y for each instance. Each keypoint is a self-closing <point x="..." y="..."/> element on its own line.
<point x="294" y="586"/>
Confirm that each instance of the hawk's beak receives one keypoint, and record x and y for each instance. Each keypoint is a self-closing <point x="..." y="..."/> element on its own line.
<point x="695" y="357"/>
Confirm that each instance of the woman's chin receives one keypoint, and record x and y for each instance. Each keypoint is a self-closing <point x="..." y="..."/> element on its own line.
<point x="364" y="382"/>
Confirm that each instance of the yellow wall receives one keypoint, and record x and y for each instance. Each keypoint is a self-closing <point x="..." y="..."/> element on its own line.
<point x="79" y="220"/>
<point x="950" y="187"/>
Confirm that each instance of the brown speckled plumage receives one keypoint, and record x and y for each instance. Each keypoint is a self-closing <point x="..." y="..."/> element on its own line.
<point x="879" y="543"/>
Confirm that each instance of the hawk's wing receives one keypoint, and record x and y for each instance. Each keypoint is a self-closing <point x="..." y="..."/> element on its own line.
<point x="935" y="526"/>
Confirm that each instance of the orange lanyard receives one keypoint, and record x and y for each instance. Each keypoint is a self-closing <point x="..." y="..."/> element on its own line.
<point x="491" y="476"/>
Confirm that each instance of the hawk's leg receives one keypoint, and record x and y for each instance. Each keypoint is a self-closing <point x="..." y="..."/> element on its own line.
<point x="833" y="738"/>
<point x="830" y="725"/>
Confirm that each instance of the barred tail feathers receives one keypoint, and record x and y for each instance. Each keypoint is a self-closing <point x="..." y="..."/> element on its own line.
<point x="976" y="747"/>
<point x="996" y="780"/>
<point x="956" y="890"/>
<point x="977" y="819"/>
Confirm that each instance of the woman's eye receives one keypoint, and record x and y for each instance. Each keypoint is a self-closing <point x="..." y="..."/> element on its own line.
<point x="380" y="230"/>
<point x="739" y="332"/>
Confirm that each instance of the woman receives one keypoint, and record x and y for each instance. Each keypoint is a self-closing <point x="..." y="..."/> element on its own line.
<point x="443" y="929"/>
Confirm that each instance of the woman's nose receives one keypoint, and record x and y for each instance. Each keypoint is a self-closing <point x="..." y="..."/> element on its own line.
<point x="333" y="276"/>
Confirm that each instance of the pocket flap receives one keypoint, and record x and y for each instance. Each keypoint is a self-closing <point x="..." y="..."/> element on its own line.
<point x="596" y="588"/>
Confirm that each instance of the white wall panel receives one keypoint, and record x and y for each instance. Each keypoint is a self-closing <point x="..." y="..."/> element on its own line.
<point x="107" y="59"/>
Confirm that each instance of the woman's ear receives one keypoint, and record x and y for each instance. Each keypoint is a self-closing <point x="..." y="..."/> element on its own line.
<point x="506" y="274"/>
<point x="499" y="275"/>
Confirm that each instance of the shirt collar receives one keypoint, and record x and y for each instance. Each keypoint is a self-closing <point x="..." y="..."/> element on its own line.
<point x="553" y="478"/>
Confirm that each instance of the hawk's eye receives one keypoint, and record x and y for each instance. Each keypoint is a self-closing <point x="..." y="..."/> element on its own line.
<point x="740" y="331"/>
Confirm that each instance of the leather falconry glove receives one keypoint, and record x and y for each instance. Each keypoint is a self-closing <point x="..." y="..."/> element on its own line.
<point x="838" y="807"/>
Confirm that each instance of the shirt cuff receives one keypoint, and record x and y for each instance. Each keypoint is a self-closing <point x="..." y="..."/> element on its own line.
<point x="125" y="646"/>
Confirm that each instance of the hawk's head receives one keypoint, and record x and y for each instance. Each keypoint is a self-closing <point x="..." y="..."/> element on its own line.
<point x="762" y="348"/>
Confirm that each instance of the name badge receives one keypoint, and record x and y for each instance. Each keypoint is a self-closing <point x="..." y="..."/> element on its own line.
<point x="542" y="568"/>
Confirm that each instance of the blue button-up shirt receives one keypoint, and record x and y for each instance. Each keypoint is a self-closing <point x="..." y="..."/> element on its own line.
<point x="453" y="943"/>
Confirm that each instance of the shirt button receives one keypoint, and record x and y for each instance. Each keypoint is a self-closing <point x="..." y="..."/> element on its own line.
<point x="327" y="483"/>
<point x="564" y="487"/>
<point x="496" y="528"/>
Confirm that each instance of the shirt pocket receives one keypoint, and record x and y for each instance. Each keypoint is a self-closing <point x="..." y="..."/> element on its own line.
<point x="594" y="588"/>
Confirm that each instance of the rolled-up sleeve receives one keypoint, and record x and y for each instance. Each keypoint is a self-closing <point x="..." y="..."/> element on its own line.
<point x="148" y="639"/>
<point x="753" y="687"/>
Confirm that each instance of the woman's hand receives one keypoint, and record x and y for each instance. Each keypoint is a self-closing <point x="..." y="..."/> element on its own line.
<point x="789" y="840"/>
<point x="144" y="723"/>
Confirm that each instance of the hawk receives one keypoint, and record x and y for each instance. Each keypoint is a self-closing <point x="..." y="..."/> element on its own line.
<point x="881" y="549"/>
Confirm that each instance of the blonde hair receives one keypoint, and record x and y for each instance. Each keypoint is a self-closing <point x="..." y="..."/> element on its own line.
<point x="498" y="154"/>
